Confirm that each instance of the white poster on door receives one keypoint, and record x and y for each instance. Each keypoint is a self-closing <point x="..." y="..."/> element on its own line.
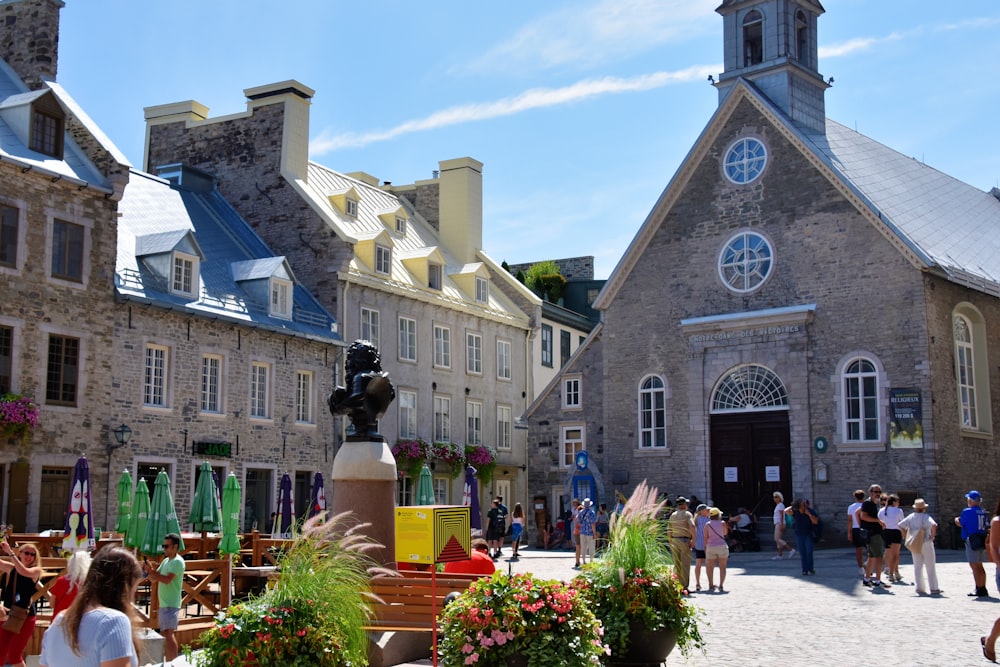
<point x="772" y="473"/>
<point x="731" y="474"/>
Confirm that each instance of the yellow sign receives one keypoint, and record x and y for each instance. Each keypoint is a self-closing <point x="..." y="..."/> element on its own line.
<point x="428" y="534"/>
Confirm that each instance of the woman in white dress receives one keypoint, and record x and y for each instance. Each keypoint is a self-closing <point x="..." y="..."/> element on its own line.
<point x="921" y="546"/>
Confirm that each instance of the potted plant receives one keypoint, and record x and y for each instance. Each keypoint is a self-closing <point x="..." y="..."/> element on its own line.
<point x="451" y="454"/>
<point x="18" y="415"/>
<point x="634" y="591"/>
<point x="313" y="615"/>
<point x="410" y="454"/>
<point x="519" y="620"/>
<point x="483" y="460"/>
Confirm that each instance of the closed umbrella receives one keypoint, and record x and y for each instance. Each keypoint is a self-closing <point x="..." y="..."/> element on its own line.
<point x="232" y="501"/>
<point x="206" y="514"/>
<point x="284" y="522"/>
<point x="162" y="517"/>
<point x="470" y="498"/>
<point x="140" y="515"/>
<point x="425" y="487"/>
<point x="124" y="502"/>
<point x="79" y="531"/>
<point x="317" y="503"/>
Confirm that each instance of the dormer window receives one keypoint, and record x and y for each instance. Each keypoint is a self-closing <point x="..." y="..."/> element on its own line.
<point x="753" y="38"/>
<point x="281" y="299"/>
<point x="434" y="276"/>
<point x="46" y="133"/>
<point x="482" y="290"/>
<point x="383" y="259"/>
<point x="351" y="208"/>
<point x="184" y="275"/>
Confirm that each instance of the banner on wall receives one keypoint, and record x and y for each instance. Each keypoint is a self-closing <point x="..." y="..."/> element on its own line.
<point x="906" y="429"/>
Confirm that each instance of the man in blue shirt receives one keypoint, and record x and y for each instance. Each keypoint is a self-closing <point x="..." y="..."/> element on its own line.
<point x="973" y="522"/>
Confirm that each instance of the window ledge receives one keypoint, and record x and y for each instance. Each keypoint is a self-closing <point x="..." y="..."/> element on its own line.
<point x="860" y="447"/>
<point x="648" y="452"/>
<point x="305" y="424"/>
<point x="979" y="435"/>
<point x="159" y="409"/>
<point x="212" y="415"/>
<point x="572" y="408"/>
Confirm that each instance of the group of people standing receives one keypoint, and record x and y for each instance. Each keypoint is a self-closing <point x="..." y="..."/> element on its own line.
<point x="703" y="535"/>
<point x="500" y="521"/>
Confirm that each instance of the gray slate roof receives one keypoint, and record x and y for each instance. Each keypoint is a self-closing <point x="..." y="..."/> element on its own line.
<point x="155" y="213"/>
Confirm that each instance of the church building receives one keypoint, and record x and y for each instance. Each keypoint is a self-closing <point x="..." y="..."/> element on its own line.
<point x="804" y="310"/>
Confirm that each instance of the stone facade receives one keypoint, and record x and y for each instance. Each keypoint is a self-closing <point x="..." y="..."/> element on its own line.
<point x="29" y="39"/>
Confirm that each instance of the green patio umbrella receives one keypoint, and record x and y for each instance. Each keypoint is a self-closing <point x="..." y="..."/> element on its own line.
<point x="124" y="502"/>
<point x="162" y="517"/>
<point x="425" y="487"/>
<point x="232" y="502"/>
<point x="206" y="515"/>
<point x="140" y="515"/>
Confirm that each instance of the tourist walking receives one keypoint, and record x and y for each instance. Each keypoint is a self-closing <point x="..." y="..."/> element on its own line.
<point x="716" y="548"/>
<point x="587" y="518"/>
<point x="496" y="526"/>
<point x="854" y="531"/>
<point x="891" y="515"/>
<point x="23" y="571"/>
<point x="700" y="519"/>
<point x="516" y="528"/>
<point x="803" y="522"/>
<point x="919" y="530"/>
<point x="96" y="630"/>
<point x="972" y="521"/>
<point x="602" y="527"/>
<point x="680" y="533"/>
<point x="869" y="521"/>
<point x="779" y="525"/>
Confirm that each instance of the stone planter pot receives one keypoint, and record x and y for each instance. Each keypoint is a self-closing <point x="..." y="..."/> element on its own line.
<point x="645" y="647"/>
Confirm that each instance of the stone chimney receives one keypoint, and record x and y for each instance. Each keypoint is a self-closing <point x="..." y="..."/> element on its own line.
<point x="29" y="39"/>
<point x="461" y="207"/>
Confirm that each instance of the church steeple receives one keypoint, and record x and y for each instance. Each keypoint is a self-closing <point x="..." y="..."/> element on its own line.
<point x="773" y="44"/>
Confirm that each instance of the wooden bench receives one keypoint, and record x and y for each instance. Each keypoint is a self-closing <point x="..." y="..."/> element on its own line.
<point x="407" y="600"/>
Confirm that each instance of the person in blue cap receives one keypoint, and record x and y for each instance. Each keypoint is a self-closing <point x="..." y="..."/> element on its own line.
<point x="973" y="522"/>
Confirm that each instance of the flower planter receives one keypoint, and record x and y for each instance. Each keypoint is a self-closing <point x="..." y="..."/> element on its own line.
<point x="645" y="647"/>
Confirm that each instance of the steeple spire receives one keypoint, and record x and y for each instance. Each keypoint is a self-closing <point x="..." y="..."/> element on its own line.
<point x="773" y="44"/>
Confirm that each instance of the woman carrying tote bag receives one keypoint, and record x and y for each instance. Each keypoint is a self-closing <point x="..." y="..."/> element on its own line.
<point x="18" y="612"/>
<point x="919" y="530"/>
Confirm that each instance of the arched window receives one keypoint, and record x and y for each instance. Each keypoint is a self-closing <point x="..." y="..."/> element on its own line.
<point x="749" y="388"/>
<point x="971" y="367"/>
<point x="801" y="38"/>
<point x="753" y="38"/>
<point x="860" y="401"/>
<point x="652" y="413"/>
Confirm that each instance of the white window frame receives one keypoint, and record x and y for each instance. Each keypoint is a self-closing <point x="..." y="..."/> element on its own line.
<point x="652" y="425"/>
<point x="474" y="423"/>
<point x="441" y="486"/>
<point x="383" y="259"/>
<point x="406" y="491"/>
<point x="434" y="276"/>
<point x="351" y="208"/>
<point x="407" y="414"/>
<point x="855" y="401"/>
<point x="400" y="225"/>
<point x="442" y="346"/>
<point x="473" y="353"/>
<point x="260" y="390"/>
<point x="442" y="418"/>
<point x="571" y="392"/>
<point x="972" y="370"/>
<point x="371" y="324"/>
<point x="505" y="426"/>
<point x="187" y="283"/>
<point x="305" y="383"/>
<point x="572" y="439"/>
<point x="545" y="339"/>
<point x="407" y="339"/>
<point x="504" y="359"/>
<point x="482" y="290"/>
<point x="156" y="376"/>
<point x="280" y="301"/>
<point x="212" y="384"/>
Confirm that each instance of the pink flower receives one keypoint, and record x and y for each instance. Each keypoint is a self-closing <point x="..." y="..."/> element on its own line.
<point x="468" y="648"/>
<point x="472" y="659"/>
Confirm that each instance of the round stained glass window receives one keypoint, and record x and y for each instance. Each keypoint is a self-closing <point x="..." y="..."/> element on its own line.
<point x="745" y="160"/>
<point x="746" y="262"/>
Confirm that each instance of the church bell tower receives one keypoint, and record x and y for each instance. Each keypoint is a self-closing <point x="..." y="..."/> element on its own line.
<point x="773" y="44"/>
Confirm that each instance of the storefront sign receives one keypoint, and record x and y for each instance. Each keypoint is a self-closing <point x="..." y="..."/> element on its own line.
<point x="906" y="429"/>
<point x="220" y="449"/>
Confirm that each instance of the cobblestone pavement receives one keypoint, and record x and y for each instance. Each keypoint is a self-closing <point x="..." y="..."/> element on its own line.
<point x="771" y="615"/>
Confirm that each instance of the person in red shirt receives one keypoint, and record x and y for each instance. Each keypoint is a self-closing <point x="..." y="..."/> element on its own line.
<point x="480" y="563"/>
<point x="64" y="591"/>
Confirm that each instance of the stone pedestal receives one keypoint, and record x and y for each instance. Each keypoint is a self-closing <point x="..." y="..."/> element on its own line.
<point x="364" y="483"/>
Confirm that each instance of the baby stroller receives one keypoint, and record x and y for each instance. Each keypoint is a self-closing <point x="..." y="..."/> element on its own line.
<point x="743" y="532"/>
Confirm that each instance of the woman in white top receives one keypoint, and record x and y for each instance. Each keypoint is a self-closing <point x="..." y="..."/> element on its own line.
<point x="891" y="515"/>
<point x="779" y="525"/>
<point x="922" y="550"/>
<point x="96" y="630"/>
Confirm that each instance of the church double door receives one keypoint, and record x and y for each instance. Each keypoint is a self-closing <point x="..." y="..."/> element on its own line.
<point x="750" y="460"/>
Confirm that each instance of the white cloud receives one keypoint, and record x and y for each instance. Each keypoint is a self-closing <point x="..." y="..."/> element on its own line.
<point x="585" y="36"/>
<point x="536" y="98"/>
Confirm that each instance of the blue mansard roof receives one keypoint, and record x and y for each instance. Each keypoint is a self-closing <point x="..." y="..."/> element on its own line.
<point x="186" y="214"/>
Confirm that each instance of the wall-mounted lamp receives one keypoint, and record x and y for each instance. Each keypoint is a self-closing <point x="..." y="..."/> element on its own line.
<point x="122" y="434"/>
<point x="829" y="81"/>
<point x="467" y="391"/>
<point x="434" y="386"/>
<point x="711" y="79"/>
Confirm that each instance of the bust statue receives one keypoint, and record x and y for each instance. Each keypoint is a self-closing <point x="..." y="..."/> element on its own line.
<point x="367" y="394"/>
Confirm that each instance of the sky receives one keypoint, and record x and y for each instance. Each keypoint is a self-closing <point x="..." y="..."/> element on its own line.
<point x="580" y="110"/>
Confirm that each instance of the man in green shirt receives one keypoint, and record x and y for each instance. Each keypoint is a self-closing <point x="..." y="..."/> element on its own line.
<point x="170" y="578"/>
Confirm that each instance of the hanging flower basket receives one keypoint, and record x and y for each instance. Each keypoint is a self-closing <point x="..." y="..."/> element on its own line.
<point x="483" y="460"/>
<point x="410" y="456"/>
<point x="18" y="415"/>
<point x="450" y="454"/>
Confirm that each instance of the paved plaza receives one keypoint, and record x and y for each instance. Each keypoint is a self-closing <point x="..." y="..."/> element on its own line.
<point x="771" y="615"/>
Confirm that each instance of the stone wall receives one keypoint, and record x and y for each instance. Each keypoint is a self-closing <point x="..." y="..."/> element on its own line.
<point x="29" y="39"/>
